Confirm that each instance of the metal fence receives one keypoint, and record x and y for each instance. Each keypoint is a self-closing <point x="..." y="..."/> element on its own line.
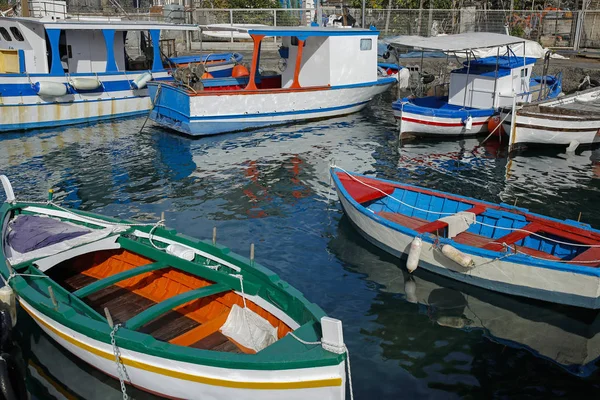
<point x="552" y="29"/>
<point x="568" y="29"/>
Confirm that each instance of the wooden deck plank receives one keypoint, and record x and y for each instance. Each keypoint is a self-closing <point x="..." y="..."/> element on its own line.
<point x="472" y="239"/>
<point x="404" y="220"/>
<point x="169" y="326"/>
<point x="217" y="342"/>
<point x="591" y="254"/>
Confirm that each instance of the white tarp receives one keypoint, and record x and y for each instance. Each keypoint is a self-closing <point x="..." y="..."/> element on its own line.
<point x="249" y="329"/>
<point x="532" y="49"/>
<point x="460" y="42"/>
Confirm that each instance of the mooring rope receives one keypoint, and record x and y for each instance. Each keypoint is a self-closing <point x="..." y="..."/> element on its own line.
<point x="345" y="349"/>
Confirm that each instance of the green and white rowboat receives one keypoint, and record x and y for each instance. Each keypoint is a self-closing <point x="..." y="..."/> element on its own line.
<point x="189" y="318"/>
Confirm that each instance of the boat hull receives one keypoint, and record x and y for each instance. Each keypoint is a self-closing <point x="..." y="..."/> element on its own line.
<point x="501" y="275"/>
<point x="551" y="129"/>
<point x="430" y="125"/>
<point x="175" y="379"/>
<point x="214" y="113"/>
<point x="21" y="108"/>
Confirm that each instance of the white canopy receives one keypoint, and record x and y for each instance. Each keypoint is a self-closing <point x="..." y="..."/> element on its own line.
<point x="454" y="43"/>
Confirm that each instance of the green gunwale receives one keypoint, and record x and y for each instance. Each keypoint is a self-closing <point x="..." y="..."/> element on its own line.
<point x="286" y="353"/>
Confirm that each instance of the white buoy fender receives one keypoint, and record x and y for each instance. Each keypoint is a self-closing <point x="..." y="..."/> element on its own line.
<point x="185" y="253"/>
<point x="54" y="89"/>
<point x="333" y="336"/>
<point x="85" y="83"/>
<point x="403" y="78"/>
<point x="469" y="123"/>
<point x="457" y="256"/>
<point x="414" y="254"/>
<point x="7" y="296"/>
<point x="141" y="81"/>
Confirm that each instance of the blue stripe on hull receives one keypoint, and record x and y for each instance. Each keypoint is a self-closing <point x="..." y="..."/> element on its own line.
<point x="202" y="126"/>
<point x="26" y="89"/>
<point x="516" y="290"/>
<point x="54" y="124"/>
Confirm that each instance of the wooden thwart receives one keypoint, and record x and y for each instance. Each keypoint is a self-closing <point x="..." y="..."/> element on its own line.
<point x="172" y="302"/>
<point x="111" y="280"/>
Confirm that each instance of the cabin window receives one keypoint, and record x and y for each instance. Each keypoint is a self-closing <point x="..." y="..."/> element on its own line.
<point x="524" y="73"/>
<point x="366" y="44"/>
<point x="5" y="34"/>
<point x="17" y="33"/>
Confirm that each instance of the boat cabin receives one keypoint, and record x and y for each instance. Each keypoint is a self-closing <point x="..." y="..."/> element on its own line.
<point x="74" y="46"/>
<point x="490" y="82"/>
<point x="312" y="56"/>
<point x="484" y="82"/>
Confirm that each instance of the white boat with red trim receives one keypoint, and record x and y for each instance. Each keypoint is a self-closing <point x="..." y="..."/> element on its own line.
<point x="476" y="90"/>
<point x="571" y="121"/>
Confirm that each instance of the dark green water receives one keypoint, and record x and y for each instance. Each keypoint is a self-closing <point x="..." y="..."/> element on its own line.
<point x="271" y="187"/>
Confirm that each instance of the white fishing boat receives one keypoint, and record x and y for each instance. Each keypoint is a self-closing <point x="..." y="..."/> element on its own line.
<point x="571" y="121"/>
<point x="326" y="72"/>
<point x="476" y="90"/>
<point x="56" y="71"/>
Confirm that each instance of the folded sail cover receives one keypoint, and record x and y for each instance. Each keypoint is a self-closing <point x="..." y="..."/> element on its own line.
<point x="29" y="232"/>
<point x="30" y="236"/>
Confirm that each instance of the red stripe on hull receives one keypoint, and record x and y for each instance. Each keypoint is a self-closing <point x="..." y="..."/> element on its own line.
<point x="418" y="121"/>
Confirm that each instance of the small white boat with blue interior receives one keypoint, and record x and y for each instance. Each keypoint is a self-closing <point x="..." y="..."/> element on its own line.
<point x="494" y="246"/>
<point x="326" y="72"/>
<point x="56" y="71"/>
<point x="477" y="90"/>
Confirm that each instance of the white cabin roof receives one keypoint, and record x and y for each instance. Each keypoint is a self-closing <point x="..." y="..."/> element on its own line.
<point x="75" y="24"/>
<point x="290" y="30"/>
<point x="456" y="43"/>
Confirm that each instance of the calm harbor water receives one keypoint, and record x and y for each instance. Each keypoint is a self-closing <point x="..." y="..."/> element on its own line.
<point x="416" y="336"/>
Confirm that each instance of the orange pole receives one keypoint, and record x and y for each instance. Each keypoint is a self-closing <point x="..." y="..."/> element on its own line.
<point x="296" y="82"/>
<point x="254" y="65"/>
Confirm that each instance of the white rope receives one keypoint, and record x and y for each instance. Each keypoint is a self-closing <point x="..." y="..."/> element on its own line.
<point x="151" y="234"/>
<point x="537" y="234"/>
<point x="392" y="197"/>
<point x="475" y="222"/>
<point x="17" y="274"/>
<point x="347" y="359"/>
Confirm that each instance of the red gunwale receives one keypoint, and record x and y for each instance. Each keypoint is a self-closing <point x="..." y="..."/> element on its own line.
<point x="541" y="225"/>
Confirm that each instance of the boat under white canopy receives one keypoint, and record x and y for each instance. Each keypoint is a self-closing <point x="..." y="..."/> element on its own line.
<point x="457" y="43"/>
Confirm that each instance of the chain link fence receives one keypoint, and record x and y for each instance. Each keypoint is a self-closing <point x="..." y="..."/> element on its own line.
<point x="551" y="28"/>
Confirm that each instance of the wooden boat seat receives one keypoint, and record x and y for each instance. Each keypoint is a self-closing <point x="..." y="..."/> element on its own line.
<point x="121" y="276"/>
<point x="160" y="308"/>
<point x="472" y="239"/>
<point x="404" y="220"/>
<point x="591" y="254"/>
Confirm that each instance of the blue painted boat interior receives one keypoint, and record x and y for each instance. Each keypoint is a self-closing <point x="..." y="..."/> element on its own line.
<point x="438" y="106"/>
<point x="497" y="218"/>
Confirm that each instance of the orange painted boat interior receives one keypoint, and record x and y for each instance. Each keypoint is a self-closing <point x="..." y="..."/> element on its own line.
<point x="194" y="324"/>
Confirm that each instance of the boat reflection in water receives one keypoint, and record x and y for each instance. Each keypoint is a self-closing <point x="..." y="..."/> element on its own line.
<point x="567" y="336"/>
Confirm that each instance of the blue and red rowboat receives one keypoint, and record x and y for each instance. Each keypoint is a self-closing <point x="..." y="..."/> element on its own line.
<point x="498" y="247"/>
